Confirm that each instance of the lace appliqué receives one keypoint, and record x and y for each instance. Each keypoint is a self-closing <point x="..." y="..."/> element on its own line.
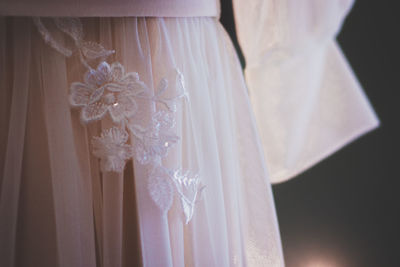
<point x="112" y="148"/>
<point x="109" y="89"/>
<point x="187" y="185"/>
<point x="155" y="140"/>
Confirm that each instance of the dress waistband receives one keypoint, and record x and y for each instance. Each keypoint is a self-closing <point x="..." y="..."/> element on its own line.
<point x="110" y="8"/>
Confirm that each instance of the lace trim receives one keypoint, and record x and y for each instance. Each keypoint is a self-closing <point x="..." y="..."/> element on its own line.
<point x="110" y="90"/>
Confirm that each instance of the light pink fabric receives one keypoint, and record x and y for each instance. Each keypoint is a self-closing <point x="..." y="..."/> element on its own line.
<point x="234" y="222"/>
<point x="110" y="8"/>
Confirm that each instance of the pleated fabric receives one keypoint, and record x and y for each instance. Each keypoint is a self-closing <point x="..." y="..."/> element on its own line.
<point x="56" y="206"/>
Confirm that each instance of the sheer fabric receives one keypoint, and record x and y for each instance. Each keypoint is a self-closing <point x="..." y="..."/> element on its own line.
<point x="59" y="206"/>
<point x="56" y="189"/>
<point x="306" y="99"/>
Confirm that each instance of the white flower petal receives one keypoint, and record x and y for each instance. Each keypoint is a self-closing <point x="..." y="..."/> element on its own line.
<point x="112" y="149"/>
<point x="104" y="69"/>
<point x="137" y="88"/>
<point x="99" y="76"/>
<point x="125" y="107"/>
<point x="96" y="95"/>
<point x="117" y="135"/>
<point x="115" y="87"/>
<point x="112" y="164"/>
<point x="117" y="71"/>
<point x="80" y="94"/>
<point x="130" y="78"/>
<point x="94" y="111"/>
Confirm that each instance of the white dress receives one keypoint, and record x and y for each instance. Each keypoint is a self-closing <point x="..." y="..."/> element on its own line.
<point x="131" y="140"/>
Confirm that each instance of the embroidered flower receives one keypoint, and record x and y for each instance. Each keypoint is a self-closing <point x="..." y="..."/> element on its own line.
<point x="107" y="89"/>
<point x="155" y="140"/>
<point x="112" y="148"/>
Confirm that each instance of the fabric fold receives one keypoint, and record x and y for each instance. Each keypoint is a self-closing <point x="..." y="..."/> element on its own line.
<point x="307" y="101"/>
<point x="11" y="181"/>
<point x="71" y="190"/>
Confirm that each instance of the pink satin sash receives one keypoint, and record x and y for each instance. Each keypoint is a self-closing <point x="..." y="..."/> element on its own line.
<point x="110" y="8"/>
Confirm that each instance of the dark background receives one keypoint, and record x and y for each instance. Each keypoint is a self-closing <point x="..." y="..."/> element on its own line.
<point x="345" y="211"/>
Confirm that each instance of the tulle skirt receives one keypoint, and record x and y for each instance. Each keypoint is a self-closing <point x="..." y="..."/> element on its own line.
<point x="57" y="206"/>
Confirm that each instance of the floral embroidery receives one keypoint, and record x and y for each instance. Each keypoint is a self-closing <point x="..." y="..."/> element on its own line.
<point x="189" y="188"/>
<point x="154" y="141"/>
<point x="112" y="148"/>
<point x="87" y="51"/>
<point x="187" y="185"/>
<point x="109" y="89"/>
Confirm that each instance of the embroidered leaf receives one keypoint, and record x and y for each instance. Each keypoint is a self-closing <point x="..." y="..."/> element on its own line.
<point x="160" y="188"/>
<point x="189" y="189"/>
<point x="180" y="82"/>
<point x="92" y="50"/>
<point x="49" y="39"/>
<point x="80" y="94"/>
<point x="71" y="26"/>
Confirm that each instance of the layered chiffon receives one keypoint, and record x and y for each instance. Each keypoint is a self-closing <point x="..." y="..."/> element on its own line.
<point x="58" y="208"/>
